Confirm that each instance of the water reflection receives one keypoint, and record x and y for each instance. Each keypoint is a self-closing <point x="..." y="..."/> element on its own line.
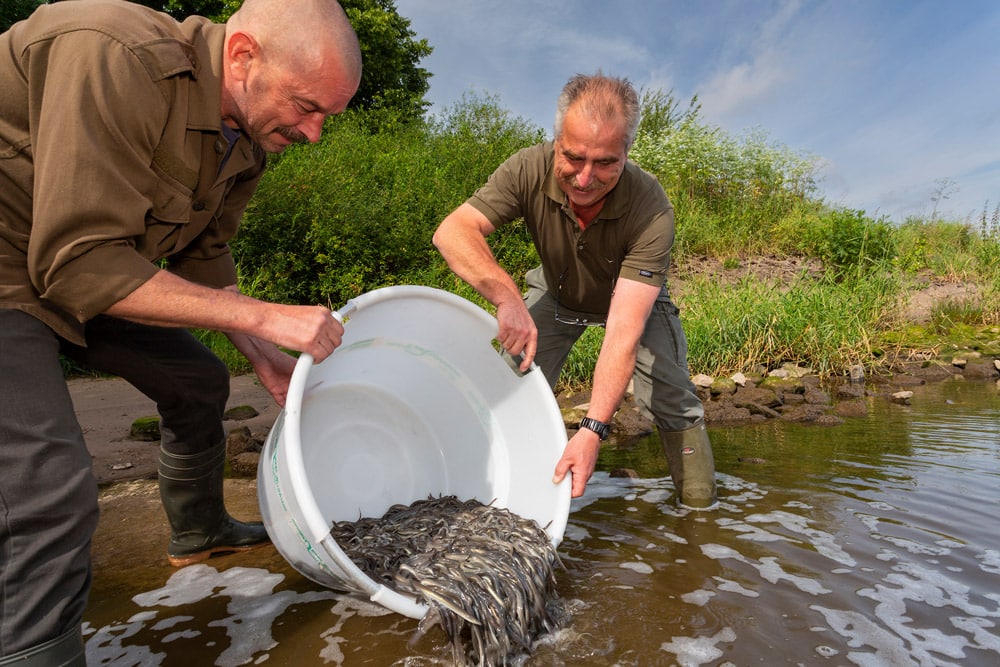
<point x="876" y="542"/>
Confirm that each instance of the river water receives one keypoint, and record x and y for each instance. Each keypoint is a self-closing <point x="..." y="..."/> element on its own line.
<point x="875" y="542"/>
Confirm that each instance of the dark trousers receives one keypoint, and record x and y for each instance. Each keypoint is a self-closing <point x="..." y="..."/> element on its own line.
<point x="662" y="384"/>
<point x="48" y="495"/>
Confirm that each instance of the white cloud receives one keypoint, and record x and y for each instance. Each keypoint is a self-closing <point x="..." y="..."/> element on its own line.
<point x="729" y="93"/>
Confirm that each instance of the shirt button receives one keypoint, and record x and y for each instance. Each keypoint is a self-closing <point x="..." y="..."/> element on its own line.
<point x="579" y="247"/>
<point x="220" y="147"/>
<point x="198" y="205"/>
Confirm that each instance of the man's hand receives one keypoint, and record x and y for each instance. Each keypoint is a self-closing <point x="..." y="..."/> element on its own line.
<point x="579" y="458"/>
<point x="274" y="371"/>
<point x="517" y="332"/>
<point x="461" y="240"/>
<point x="311" y="329"/>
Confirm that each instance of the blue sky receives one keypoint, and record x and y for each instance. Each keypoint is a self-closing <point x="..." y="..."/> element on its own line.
<point x="899" y="99"/>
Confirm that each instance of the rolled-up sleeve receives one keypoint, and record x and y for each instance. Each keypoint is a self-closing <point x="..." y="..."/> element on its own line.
<point x="93" y="153"/>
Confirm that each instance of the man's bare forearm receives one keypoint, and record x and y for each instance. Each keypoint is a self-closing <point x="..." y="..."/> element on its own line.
<point x="170" y="301"/>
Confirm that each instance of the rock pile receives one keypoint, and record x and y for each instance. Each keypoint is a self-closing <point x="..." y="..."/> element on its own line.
<point x="796" y="394"/>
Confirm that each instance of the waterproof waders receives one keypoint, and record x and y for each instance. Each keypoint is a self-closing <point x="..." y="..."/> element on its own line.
<point x="692" y="466"/>
<point x="64" y="651"/>
<point x="191" y="492"/>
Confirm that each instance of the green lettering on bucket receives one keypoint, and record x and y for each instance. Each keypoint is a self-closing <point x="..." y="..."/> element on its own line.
<point x="312" y="552"/>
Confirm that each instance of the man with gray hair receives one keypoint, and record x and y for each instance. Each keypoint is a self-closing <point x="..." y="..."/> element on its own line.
<point x="130" y="144"/>
<point x="603" y="229"/>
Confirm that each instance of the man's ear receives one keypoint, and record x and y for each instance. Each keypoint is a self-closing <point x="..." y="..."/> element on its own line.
<point x="241" y="49"/>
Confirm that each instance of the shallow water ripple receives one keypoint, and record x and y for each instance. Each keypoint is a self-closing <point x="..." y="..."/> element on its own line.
<point x="876" y="542"/>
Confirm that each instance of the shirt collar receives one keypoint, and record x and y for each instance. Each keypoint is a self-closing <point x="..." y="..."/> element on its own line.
<point x="205" y="101"/>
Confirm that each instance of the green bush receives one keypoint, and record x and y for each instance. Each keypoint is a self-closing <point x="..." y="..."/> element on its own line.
<point x="848" y="241"/>
<point x="729" y="194"/>
<point x="357" y="211"/>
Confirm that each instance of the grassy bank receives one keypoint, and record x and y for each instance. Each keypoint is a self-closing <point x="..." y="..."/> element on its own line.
<point x="357" y="211"/>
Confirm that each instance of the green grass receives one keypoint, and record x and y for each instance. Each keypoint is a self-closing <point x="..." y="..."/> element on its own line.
<point x="823" y="324"/>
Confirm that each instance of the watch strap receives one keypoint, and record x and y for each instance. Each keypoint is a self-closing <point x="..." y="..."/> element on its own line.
<point x="600" y="428"/>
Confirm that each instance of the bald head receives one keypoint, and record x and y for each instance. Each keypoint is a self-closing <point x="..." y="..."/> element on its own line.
<point x="305" y="33"/>
<point x="288" y="64"/>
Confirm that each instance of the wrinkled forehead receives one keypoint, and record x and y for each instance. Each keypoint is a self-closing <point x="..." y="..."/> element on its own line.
<point x="588" y="136"/>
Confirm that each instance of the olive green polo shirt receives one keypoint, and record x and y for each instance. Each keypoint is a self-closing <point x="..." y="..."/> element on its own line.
<point x="110" y="154"/>
<point x="631" y="236"/>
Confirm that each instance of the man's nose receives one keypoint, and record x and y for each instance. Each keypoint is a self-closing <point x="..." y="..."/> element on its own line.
<point x="312" y="127"/>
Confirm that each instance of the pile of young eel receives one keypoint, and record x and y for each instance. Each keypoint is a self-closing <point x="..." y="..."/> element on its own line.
<point x="486" y="574"/>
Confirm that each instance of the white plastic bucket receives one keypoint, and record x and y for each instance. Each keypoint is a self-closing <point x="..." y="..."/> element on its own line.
<point x="415" y="402"/>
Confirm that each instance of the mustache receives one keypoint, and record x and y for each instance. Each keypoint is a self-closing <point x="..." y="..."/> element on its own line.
<point x="292" y="135"/>
<point x="594" y="186"/>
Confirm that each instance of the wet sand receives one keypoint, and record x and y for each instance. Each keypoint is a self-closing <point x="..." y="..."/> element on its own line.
<point x="106" y="409"/>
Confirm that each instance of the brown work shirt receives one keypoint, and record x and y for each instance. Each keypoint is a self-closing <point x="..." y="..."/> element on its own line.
<point x="631" y="236"/>
<point x="111" y="154"/>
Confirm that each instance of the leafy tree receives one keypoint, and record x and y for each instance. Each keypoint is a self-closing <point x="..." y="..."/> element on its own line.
<point x="12" y="11"/>
<point x="217" y="10"/>
<point x="391" y="78"/>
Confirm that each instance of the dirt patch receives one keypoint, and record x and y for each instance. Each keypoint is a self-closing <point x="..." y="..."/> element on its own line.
<point x="923" y="300"/>
<point x="106" y="409"/>
<point x="775" y="271"/>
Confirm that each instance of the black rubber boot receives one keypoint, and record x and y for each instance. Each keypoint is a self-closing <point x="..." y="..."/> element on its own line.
<point x="63" y="651"/>
<point x="191" y="492"/>
<point x="692" y="465"/>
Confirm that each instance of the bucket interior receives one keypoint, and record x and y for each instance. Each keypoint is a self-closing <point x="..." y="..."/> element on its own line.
<point x="395" y="430"/>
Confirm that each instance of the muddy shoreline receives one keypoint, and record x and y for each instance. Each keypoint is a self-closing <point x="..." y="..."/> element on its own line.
<point x="797" y="394"/>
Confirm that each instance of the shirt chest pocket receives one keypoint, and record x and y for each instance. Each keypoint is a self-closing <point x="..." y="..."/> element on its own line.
<point x="177" y="199"/>
<point x="175" y="187"/>
<point x="171" y="203"/>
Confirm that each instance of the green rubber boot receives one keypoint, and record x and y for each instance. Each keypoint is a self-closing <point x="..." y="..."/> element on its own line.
<point x="63" y="651"/>
<point x="692" y="466"/>
<point x="191" y="492"/>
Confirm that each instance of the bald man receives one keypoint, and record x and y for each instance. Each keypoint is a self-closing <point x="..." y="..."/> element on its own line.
<point x="130" y="145"/>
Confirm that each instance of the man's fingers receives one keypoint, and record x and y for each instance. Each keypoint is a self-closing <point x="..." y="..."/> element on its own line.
<point x="528" y="356"/>
<point x="560" y="472"/>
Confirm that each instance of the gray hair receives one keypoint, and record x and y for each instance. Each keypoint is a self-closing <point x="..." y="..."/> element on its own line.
<point x="604" y="98"/>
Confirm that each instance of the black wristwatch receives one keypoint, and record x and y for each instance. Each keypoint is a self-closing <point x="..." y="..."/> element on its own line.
<point x="600" y="428"/>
